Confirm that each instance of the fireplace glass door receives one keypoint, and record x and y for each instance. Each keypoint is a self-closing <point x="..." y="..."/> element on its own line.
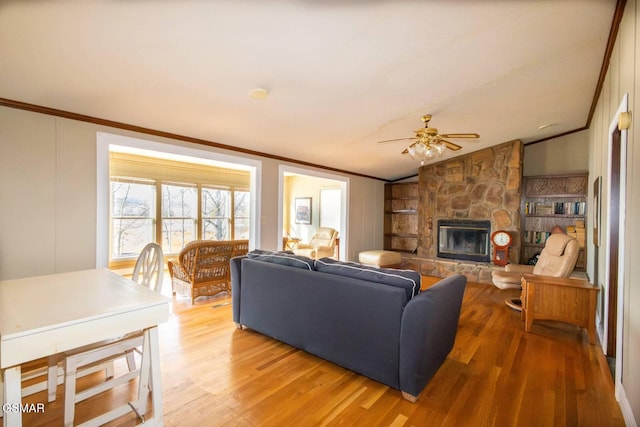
<point x="464" y="240"/>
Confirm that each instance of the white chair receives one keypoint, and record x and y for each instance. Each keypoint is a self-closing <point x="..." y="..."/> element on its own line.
<point x="42" y="374"/>
<point x="148" y="271"/>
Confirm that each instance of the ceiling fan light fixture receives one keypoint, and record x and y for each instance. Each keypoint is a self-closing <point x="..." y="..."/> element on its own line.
<point x="430" y="153"/>
<point x="430" y="144"/>
<point x="412" y="152"/>
<point x="426" y="150"/>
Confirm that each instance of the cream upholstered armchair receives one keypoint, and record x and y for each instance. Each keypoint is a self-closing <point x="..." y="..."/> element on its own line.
<point x="322" y="244"/>
<point x="557" y="259"/>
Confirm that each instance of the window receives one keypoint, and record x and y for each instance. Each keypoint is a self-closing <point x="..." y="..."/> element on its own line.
<point x="173" y="202"/>
<point x="216" y="214"/>
<point x="132" y="217"/>
<point x="330" y="208"/>
<point x="241" y="209"/>
<point x="179" y="216"/>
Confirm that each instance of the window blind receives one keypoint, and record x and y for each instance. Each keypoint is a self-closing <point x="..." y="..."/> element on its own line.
<point x="142" y="167"/>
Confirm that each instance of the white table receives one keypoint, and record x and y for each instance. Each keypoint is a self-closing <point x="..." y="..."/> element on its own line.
<point x="46" y="315"/>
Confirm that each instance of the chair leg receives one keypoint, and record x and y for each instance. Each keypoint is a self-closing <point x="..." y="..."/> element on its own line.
<point x="69" y="391"/>
<point x="109" y="369"/>
<point x="52" y="378"/>
<point x="131" y="361"/>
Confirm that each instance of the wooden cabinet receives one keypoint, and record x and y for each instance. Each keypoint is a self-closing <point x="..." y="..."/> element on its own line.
<point x="552" y="200"/>
<point x="401" y="217"/>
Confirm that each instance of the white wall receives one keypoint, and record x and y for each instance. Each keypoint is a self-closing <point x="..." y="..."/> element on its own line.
<point x="48" y="195"/>
<point x="566" y="154"/>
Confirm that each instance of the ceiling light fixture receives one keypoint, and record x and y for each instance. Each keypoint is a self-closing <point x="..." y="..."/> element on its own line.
<point x="428" y="147"/>
<point x="259" y="93"/>
<point x="429" y="143"/>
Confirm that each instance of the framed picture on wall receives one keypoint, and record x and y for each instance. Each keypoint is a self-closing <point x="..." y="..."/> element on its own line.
<point x="303" y="210"/>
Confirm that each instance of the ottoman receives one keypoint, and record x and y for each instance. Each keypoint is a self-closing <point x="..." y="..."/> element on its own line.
<point x="380" y="258"/>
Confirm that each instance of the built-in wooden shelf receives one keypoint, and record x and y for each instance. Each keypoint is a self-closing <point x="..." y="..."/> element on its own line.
<point x="548" y="201"/>
<point x="401" y="217"/>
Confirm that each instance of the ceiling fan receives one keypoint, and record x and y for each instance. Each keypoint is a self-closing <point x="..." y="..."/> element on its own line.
<point x="428" y="143"/>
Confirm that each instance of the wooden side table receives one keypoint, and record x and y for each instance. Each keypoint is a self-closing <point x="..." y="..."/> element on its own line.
<point x="290" y="243"/>
<point x="557" y="298"/>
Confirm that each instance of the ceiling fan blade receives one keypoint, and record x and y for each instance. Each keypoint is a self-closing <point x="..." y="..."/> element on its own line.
<point x="459" y="135"/>
<point x="450" y="145"/>
<point x="396" y="140"/>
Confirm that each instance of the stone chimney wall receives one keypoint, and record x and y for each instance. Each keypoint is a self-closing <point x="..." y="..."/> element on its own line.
<point x="483" y="185"/>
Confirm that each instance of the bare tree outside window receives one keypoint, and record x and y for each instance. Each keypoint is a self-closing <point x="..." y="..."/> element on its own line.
<point x="179" y="216"/>
<point x="216" y="205"/>
<point x="132" y="217"/>
<point x="241" y="214"/>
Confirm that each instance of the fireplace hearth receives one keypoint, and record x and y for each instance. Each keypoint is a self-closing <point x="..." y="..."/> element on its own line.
<point x="464" y="240"/>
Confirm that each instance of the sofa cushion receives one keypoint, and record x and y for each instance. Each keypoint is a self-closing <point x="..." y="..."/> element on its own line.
<point x="283" y="258"/>
<point x="409" y="280"/>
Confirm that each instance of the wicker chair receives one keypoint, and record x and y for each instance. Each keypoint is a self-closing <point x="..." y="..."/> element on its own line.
<point x="202" y="267"/>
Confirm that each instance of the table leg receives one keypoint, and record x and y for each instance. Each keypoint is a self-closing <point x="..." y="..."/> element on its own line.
<point x="150" y="378"/>
<point x="12" y="395"/>
<point x="156" y="379"/>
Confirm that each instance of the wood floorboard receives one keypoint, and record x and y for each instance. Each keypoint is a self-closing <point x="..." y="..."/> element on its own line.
<point x="497" y="375"/>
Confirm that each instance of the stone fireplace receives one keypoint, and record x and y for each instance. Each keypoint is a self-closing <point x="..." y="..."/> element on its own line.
<point x="481" y="186"/>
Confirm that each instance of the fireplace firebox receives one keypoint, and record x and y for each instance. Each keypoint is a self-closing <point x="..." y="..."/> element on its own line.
<point x="464" y="239"/>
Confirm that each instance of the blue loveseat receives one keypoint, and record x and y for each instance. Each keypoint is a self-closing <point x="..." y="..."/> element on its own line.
<point x="342" y="312"/>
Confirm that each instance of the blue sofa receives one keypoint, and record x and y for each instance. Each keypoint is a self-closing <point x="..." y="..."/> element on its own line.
<point x="390" y="333"/>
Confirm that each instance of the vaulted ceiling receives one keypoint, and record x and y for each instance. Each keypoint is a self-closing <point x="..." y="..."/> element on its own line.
<point x="341" y="74"/>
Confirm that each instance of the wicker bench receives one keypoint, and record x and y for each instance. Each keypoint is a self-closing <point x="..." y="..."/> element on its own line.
<point x="202" y="267"/>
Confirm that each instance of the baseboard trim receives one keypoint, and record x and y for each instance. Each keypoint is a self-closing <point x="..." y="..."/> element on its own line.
<point x="627" y="413"/>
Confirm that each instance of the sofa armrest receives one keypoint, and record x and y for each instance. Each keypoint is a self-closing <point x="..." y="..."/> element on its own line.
<point x="236" y="281"/>
<point x="519" y="268"/>
<point x="428" y="332"/>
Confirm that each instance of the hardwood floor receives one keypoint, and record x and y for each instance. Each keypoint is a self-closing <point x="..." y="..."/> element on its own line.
<point x="497" y="375"/>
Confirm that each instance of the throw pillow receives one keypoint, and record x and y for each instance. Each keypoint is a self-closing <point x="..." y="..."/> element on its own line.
<point x="408" y="280"/>
<point x="283" y="258"/>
